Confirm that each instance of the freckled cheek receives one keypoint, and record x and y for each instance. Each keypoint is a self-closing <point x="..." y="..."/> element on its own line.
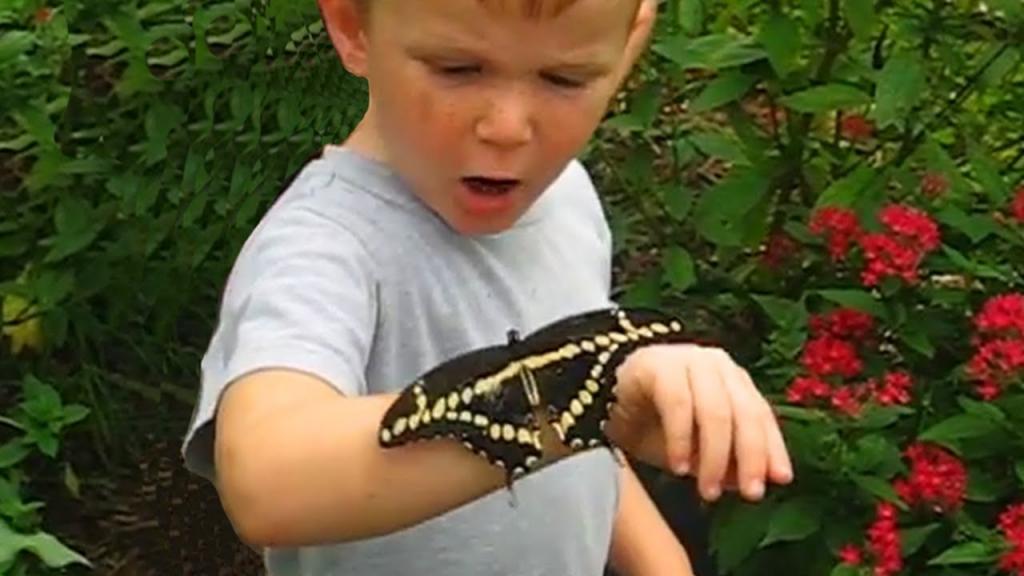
<point x="435" y="122"/>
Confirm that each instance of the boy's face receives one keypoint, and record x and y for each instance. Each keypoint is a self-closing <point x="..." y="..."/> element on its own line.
<point x="478" y="106"/>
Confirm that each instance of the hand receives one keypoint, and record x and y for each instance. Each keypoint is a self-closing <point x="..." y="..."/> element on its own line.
<point x="665" y="391"/>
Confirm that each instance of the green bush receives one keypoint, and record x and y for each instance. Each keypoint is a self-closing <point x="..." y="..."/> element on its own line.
<point x="139" y="144"/>
<point x="837" y="198"/>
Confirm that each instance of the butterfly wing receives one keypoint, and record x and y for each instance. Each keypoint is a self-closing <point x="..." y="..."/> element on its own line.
<point x="476" y="398"/>
<point x="577" y="389"/>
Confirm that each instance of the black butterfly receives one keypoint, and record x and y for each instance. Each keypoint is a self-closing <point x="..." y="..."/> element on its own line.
<point x="498" y="400"/>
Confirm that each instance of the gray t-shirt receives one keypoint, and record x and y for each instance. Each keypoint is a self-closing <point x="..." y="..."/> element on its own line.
<point x="350" y="277"/>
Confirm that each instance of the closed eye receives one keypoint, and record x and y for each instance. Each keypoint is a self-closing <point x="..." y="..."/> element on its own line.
<point x="563" y="81"/>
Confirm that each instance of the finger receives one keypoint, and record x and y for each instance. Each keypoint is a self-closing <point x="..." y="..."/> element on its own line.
<point x="675" y="408"/>
<point x="714" y="419"/>
<point x="749" y="428"/>
<point x="780" y="465"/>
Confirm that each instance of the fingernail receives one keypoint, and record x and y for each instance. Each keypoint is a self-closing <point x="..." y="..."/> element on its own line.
<point x="756" y="489"/>
<point x="713" y="493"/>
<point x="682" y="468"/>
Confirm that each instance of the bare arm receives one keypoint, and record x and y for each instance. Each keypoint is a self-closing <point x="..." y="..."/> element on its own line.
<point x="642" y="543"/>
<point x="299" y="464"/>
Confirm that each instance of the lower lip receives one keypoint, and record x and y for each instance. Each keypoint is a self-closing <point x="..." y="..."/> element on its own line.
<point x="485" y="204"/>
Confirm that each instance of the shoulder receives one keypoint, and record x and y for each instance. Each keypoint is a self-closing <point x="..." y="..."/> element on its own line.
<point x="579" y="198"/>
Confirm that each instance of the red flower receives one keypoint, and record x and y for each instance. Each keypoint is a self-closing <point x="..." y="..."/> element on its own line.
<point x="827" y="356"/>
<point x="1011" y="523"/>
<point x="849" y="399"/>
<point x="839" y="226"/>
<point x="934" y="184"/>
<point x="780" y="248"/>
<point x="856" y="127"/>
<point x="884" y="541"/>
<point x="895" y="389"/>
<point x="887" y="257"/>
<point x="1017" y="206"/>
<point x="843" y="323"/>
<point x="806" y="389"/>
<point x="938" y="479"/>
<point x="1002" y="315"/>
<point x="851" y="555"/>
<point x="913" y="226"/>
<point x="995" y="363"/>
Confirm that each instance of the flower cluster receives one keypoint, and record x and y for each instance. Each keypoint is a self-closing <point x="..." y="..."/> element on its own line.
<point x="1011" y="524"/>
<point x="1017" y="205"/>
<point x="908" y="235"/>
<point x="937" y="479"/>
<point x="832" y="362"/>
<point x="999" y="345"/>
<point x="883" y="544"/>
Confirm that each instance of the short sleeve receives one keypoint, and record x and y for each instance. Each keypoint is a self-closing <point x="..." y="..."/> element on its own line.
<point x="301" y="296"/>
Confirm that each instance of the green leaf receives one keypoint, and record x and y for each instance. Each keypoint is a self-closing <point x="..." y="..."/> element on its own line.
<point x="857" y="300"/>
<point x="712" y="52"/>
<point x="985" y="410"/>
<point x="977" y="227"/>
<point x="74" y="413"/>
<point x="47" y="548"/>
<point x="781" y="37"/>
<point x="825" y="98"/>
<point x="901" y="84"/>
<point x="719" y="145"/>
<point x="691" y="16"/>
<point x="721" y="209"/>
<point x="983" y="487"/>
<point x="679" y="269"/>
<point x="1013" y="10"/>
<point x="77" y="226"/>
<point x="794" y="519"/>
<point x="1019" y="469"/>
<point x="971" y="266"/>
<point x="726" y="88"/>
<point x="12" y="452"/>
<point x="678" y="200"/>
<point x="14" y="43"/>
<point x="875" y="455"/>
<point x="965" y="553"/>
<point x="848" y="190"/>
<point x="861" y="16"/>
<point x="878" y="487"/>
<point x="958" y="427"/>
<point x="912" y="539"/>
<point x="986" y="171"/>
<point x="915" y="334"/>
<point x="785" y="313"/>
<point x="736" y="530"/>
<point x="876" y="417"/>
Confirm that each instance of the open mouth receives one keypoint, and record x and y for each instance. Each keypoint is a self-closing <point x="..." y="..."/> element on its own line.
<point x="490" y="186"/>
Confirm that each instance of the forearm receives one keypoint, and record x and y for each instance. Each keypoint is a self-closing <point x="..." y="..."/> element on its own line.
<point x="642" y="543"/>
<point x="314" y="473"/>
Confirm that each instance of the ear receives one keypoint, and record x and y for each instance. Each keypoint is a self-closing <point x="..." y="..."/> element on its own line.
<point x="344" y="23"/>
<point x="639" y="34"/>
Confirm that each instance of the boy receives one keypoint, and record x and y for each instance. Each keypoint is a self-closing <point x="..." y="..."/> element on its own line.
<point x="452" y="213"/>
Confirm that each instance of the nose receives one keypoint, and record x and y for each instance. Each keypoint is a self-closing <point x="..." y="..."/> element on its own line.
<point x="507" y="121"/>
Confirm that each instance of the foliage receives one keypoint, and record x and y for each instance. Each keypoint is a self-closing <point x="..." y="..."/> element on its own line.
<point x="836" y="199"/>
<point x="139" y="143"/>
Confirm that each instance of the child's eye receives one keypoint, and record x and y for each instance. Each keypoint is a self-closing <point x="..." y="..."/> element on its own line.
<point x="456" y="69"/>
<point x="563" y="81"/>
